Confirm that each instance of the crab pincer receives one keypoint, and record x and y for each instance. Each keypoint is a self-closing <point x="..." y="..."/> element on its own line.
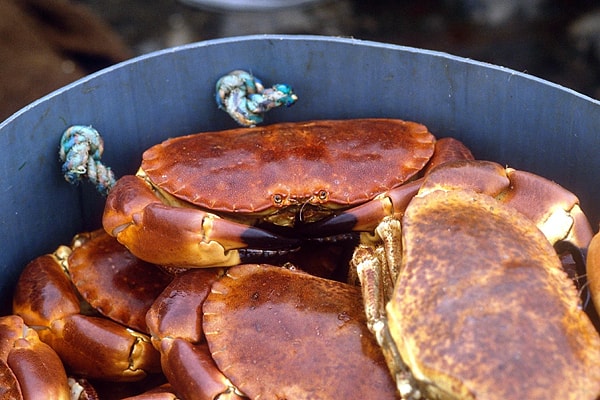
<point x="175" y="322"/>
<point x="29" y="368"/>
<point x="171" y="235"/>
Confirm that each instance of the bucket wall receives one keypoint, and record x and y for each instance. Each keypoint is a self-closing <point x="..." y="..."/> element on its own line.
<point x="503" y="115"/>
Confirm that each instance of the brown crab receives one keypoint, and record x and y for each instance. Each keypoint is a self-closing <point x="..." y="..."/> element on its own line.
<point x="197" y="200"/>
<point x="311" y="323"/>
<point x="478" y="306"/>
<point x="89" y="344"/>
<point x="267" y="333"/>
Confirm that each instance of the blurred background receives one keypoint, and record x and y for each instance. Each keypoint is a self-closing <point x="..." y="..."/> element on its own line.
<point x="45" y="44"/>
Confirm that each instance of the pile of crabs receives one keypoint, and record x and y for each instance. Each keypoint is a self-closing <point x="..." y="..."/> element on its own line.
<point x="316" y="260"/>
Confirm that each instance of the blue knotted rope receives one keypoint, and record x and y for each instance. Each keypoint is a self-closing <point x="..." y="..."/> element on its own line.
<point x="245" y="99"/>
<point x="80" y="150"/>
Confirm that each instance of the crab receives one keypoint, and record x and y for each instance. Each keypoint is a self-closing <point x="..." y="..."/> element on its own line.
<point x="221" y="198"/>
<point x="266" y="332"/>
<point x="193" y="317"/>
<point x="89" y="344"/>
<point x="466" y="293"/>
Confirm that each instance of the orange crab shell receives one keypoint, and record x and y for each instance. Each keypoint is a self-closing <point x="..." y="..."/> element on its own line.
<point x="258" y="170"/>
<point x="99" y="265"/>
<point x="486" y="277"/>
<point x="282" y="334"/>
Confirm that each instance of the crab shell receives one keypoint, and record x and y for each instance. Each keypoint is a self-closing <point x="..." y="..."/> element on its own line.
<point x="482" y="308"/>
<point x="276" y="170"/>
<point x="281" y="334"/>
<point x="113" y="281"/>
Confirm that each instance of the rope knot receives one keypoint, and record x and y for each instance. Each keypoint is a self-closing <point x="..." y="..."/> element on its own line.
<point x="81" y="148"/>
<point x="245" y="99"/>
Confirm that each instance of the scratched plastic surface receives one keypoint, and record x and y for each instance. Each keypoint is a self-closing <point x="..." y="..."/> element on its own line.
<point x="503" y="115"/>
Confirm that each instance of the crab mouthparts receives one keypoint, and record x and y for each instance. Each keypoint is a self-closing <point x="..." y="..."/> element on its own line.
<point x="299" y="213"/>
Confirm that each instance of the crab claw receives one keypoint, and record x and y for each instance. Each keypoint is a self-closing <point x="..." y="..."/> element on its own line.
<point x="178" y="236"/>
<point x="29" y="368"/>
<point x="554" y="210"/>
<point x="366" y="217"/>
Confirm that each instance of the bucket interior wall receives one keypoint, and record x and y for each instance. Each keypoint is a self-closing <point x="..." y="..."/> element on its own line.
<point x="505" y="116"/>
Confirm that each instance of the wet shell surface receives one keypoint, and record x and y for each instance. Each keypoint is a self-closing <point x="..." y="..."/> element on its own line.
<point x="483" y="308"/>
<point x="281" y="334"/>
<point x="344" y="162"/>
<point x="115" y="282"/>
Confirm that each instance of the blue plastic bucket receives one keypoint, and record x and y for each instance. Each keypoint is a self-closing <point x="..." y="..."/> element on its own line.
<point x="503" y="115"/>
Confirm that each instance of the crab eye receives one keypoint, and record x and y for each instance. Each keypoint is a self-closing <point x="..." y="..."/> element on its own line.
<point x="277" y="199"/>
<point x="323" y="195"/>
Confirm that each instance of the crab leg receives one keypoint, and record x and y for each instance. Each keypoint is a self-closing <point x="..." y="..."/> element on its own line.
<point x="178" y="236"/>
<point x="376" y="269"/>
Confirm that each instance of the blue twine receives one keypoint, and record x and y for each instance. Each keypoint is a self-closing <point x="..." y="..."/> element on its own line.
<point x="245" y="99"/>
<point x="80" y="150"/>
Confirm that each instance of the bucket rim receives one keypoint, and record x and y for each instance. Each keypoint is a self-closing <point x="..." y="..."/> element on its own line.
<point x="297" y="38"/>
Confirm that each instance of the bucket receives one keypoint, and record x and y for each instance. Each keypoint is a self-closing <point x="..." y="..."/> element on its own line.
<point x="502" y="115"/>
